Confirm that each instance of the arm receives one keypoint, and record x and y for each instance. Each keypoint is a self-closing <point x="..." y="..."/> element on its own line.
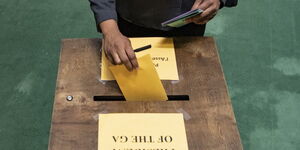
<point x="103" y="10"/>
<point x="117" y="47"/>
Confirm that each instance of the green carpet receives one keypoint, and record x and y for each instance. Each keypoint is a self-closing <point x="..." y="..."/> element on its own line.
<point x="258" y="43"/>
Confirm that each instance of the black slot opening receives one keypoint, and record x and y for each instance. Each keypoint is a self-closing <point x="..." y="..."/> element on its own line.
<point x="122" y="98"/>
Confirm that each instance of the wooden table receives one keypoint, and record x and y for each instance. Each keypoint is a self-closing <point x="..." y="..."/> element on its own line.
<point x="210" y="122"/>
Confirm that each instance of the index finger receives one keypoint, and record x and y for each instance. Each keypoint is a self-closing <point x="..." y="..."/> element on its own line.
<point x="196" y="4"/>
<point x="132" y="57"/>
<point x="203" y="5"/>
<point x="207" y="13"/>
<point x="125" y="60"/>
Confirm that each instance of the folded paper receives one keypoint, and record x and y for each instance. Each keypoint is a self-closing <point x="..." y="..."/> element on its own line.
<point x="162" y="53"/>
<point x="142" y="131"/>
<point x="141" y="84"/>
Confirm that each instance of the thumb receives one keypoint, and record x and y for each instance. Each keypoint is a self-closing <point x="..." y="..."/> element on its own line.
<point x="196" y="4"/>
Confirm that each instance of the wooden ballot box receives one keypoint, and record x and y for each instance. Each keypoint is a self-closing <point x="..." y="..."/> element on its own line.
<point x="209" y="118"/>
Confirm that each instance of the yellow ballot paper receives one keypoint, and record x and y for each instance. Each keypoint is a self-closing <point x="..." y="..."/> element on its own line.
<point x="142" y="131"/>
<point x="140" y="84"/>
<point x="162" y="53"/>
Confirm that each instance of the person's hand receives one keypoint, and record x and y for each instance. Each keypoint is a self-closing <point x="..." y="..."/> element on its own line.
<point x="118" y="50"/>
<point x="210" y="9"/>
<point x="117" y="47"/>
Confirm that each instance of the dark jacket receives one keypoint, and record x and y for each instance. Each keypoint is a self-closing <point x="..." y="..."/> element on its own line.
<point x="146" y="13"/>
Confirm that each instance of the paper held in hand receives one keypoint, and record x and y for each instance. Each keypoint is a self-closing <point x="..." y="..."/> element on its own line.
<point x="142" y="84"/>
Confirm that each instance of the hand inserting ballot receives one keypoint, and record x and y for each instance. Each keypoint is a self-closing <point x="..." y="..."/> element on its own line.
<point x="117" y="47"/>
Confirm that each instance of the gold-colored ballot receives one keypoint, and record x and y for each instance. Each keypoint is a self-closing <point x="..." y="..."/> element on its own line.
<point x="141" y="84"/>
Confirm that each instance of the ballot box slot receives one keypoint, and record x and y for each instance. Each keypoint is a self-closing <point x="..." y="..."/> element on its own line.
<point x="122" y="98"/>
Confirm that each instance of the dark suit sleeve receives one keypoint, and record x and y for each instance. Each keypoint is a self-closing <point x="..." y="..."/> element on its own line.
<point x="229" y="3"/>
<point x="103" y="10"/>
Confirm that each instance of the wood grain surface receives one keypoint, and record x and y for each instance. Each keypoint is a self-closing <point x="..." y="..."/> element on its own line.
<point x="211" y="124"/>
